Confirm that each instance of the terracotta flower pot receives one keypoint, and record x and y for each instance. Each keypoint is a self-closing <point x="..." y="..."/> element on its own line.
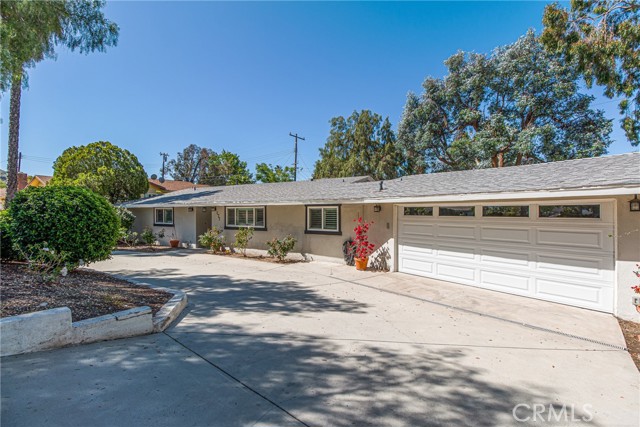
<point x="174" y="243"/>
<point x="361" y="263"/>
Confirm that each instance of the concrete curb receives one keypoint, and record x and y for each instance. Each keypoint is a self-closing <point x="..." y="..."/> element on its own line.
<point x="170" y="310"/>
<point x="50" y="329"/>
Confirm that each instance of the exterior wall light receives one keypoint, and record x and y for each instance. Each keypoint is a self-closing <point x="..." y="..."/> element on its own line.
<point x="204" y="209"/>
<point x="377" y="208"/>
<point x="634" y="204"/>
<point x="190" y="209"/>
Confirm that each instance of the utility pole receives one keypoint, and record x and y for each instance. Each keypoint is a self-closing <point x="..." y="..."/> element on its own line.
<point x="164" y="159"/>
<point x="295" y="157"/>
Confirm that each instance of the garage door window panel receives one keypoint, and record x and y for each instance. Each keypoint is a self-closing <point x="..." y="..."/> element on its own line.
<point x="418" y="211"/>
<point x="505" y="211"/>
<point x="457" y="211"/>
<point x="569" y="211"/>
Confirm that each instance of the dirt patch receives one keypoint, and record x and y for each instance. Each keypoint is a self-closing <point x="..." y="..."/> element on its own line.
<point x="146" y="248"/>
<point x="87" y="293"/>
<point x="631" y="332"/>
<point x="257" y="257"/>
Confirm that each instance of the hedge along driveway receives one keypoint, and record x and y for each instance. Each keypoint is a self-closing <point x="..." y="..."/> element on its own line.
<point x="317" y="344"/>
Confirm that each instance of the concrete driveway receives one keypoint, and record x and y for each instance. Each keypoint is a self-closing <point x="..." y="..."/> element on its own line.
<point x="323" y="345"/>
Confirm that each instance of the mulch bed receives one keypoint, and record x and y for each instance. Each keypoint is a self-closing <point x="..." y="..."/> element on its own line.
<point x="146" y="248"/>
<point x="257" y="257"/>
<point x="631" y="332"/>
<point x="87" y="293"/>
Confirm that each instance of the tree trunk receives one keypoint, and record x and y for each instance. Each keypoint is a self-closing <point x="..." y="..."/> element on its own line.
<point x="14" y="134"/>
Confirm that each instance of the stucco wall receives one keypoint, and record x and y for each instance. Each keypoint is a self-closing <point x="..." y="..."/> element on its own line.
<point x="184" y="227"/>
<point x="283" y="220"/>
<point x="628" y="255"/>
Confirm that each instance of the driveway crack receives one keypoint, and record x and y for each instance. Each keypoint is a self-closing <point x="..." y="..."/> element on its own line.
<point x="237" y="380"/>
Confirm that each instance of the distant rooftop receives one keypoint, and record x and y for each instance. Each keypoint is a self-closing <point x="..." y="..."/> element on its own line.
<point x="171" y="185"/>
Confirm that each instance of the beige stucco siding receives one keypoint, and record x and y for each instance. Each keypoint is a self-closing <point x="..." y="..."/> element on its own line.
<point x="627" y="256"/>
<point x="285" y="220"/>
<point x="184" y="227"/>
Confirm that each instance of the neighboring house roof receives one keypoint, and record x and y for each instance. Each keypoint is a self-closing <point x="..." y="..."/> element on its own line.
<point x="610" y="172"/>
<point x="171" y="185"/>
<point x="43" y="179"/>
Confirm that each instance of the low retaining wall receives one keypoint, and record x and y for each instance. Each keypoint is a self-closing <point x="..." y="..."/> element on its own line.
<point x="49" y="329"/>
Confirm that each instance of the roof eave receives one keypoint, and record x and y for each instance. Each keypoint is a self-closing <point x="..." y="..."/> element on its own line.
<point x="516" y="195"/>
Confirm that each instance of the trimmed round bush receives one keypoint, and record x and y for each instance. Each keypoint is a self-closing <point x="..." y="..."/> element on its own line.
<point x="71" y="220"/>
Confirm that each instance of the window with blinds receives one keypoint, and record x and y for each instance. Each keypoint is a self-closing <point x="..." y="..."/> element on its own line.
<point x="323" y="218"/>
<point x="245" y="217"/>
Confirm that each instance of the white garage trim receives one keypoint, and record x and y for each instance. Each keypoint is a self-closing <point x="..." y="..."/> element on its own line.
<point x="565" y="260"/>
<point x="521" y="196"/>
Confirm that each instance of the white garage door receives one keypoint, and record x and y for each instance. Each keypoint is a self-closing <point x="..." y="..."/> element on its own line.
<point x="560" y="252"/>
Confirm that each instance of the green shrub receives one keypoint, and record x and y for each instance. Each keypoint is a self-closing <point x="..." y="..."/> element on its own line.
<point x="126" y="217"/>
<point x="148" y="237"/>
<point x="72" y="221"/>
<point x="129" y="238"/>
<point x="280" y="248"/>
<point x="6" y="242"/>
<point x="212" y="239"/>
<point x="49" y="263"/>
<point x="242" y="239"/>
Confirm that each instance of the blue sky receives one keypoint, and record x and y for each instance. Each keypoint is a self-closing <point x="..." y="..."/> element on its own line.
<point x="241" y="76"/>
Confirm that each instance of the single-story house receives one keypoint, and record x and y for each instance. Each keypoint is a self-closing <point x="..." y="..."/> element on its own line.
<point x="564" y="231"/>
<point x="157" y="188"/>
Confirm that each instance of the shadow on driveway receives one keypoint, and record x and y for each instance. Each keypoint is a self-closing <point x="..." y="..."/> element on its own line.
<point x="222" y="293"/>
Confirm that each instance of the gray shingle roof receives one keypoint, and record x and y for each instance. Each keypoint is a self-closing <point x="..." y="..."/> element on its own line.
<point x="601" y="172"/>
<point x="608" y="171"/>
<point x="318" y="191"/>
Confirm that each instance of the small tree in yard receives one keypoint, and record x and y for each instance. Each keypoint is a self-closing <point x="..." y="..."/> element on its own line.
<point x="212" y="239"/>
<point x="243" y="236"/>
<point x="126" y="237"/>
<point x="74" y="223"/>
<point x="280" y="248"/>
<point x="126" y="217"/>
<point x="104" y="168"/>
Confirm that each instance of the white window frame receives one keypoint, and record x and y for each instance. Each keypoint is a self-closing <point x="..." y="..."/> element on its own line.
<point x="246" y="208"/>
<point x="163" y="222"/>
<point x="323" y="230"/>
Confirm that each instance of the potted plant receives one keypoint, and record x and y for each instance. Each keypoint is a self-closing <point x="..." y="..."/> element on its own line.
<point x="174" y="242"/>
<point x="362" y="248"/>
